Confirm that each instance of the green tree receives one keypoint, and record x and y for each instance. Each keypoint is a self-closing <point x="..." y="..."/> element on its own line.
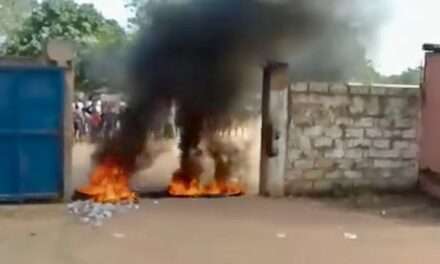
<point x="13" y="12"/>
<point x="365" y="72"/>
<point x="12" y="15"/>
<point x="62" y="19"/>
<point x="409" y="76"/>
<point x="141" y="10"/>
<point x="138" y="8"/>
<point x="66" y="19"/>
<point x="103" y="66"/>
<point x="99" y="63"/>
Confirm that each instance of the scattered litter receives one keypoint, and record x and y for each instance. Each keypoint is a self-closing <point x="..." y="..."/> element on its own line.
<point x="73" y="205"/>
<point x="137" y="206"/>
<point x="281" y="235"/>
<point x="107" y="214"/>
<point x="118" y="235"/>
<point x="350" y="236"/>
<point x="94" y="214"/>
<point x="85" y="220"/>
<point x="156" y="202"/>
<point x="97" y="223"/>
<point x="383" y="212"/>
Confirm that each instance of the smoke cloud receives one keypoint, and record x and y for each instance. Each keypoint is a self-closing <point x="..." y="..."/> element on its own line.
<point x="202" y="53"/>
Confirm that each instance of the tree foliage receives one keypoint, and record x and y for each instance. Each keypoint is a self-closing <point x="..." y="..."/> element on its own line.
<point x="13" y="13"/>
<point x="141" y="10"/>
<point x="409" y="76"/>
<point x="66" y="19"/>
<point x="62" y="19"/>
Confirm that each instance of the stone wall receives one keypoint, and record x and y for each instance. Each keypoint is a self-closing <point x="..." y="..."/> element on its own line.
<point x="347" y="136"/>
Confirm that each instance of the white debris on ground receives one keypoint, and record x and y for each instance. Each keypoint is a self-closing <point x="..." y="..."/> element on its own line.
<point x="95" y="214"/>
<point x="350" y="236"/>
<point x="281" y="235"/>
<point x="118" y="235"/>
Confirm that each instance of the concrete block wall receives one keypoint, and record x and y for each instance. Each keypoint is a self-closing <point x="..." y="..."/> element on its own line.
<point x="348" y="136"/>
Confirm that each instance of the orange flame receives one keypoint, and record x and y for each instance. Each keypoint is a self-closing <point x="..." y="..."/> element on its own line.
<point x="191" y="187"/>
<point x="109" y="184"/>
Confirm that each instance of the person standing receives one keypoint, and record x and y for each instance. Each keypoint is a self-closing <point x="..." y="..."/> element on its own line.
<point x="78" y="122"/>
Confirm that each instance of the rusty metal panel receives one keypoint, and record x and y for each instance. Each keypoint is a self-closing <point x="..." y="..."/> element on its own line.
<point x="430" y="130"/>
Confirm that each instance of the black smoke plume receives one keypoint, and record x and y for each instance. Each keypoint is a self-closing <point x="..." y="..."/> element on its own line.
<point x="200" y="53"/>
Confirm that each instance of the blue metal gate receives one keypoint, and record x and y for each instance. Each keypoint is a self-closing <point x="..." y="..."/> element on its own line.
<point x="31" y="133"/>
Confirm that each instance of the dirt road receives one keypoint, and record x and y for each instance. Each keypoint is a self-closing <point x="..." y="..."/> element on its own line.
<point x="238" y="230"/>
<point x="403" y="230"/>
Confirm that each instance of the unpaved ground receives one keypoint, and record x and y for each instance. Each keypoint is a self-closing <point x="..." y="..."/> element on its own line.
<point x="391" y="229"/>
<point x="236" y="230"/>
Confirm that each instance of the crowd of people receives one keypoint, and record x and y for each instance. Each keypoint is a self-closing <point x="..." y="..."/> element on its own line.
<point x="95" y="120"/>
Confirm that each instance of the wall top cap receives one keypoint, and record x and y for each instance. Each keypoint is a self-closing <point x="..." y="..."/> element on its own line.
<point x="61" y="51"/>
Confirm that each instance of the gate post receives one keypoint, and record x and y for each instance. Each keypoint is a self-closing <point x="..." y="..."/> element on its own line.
<point x="62" y="53"/>
<point x="274" y="129"/>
